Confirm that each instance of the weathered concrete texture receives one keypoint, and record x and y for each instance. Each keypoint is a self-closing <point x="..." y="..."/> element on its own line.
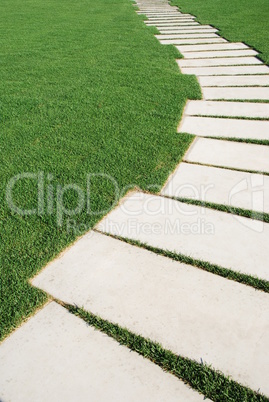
<point x="220" y="61"/>
<point x="220" y="186"/>
<point x="186" y="35"/>
<point x="220" y="53"/>
<point x="172" y="24"/>
<point x="236" y="80"/>
<point x="228" y="70"/>
<point x="229" y="128"/>
<point x="201" y="233"/>
<point x="169" y="18"/>
<point x="229" y="154"/>
<point x="56" y="357"/>
<point x="249" y="93"/>
<point x="229" y="109"/>
<point x="181" y="31"/>
<point x="179" y="20"/>
<point x="211" y="47"/>
<point x="188" y="30"/>
<point x="192" y="312"/>
<point x="191" y="41"/>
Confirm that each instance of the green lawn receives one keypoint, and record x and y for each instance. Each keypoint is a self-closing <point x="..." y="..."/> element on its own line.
<point x="238" y="20"/>
<point x="85" y="88"/>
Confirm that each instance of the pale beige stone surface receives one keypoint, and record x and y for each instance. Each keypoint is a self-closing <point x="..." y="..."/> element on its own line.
<point x="56" y="357"/>
<point x="220" y="186"/>
<point x="227" y="109"/>
<point x="222" y="127"/>
<point x="249" y="93"/>
<point x="201" y="233"/>
<point x="192" y="312"/>
<point x="237" y="155"/>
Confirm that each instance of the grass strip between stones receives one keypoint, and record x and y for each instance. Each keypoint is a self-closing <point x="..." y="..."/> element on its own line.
<point x="257" y="283"/>
<point x="247" y="213"/>
<point x="201" y="377"/>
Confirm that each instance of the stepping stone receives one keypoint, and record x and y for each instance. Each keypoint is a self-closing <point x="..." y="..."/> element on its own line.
<point x="237" y="80"/>
<point x="56" y="356"/>
<point x="229" y="154"/>
<point x="192" y="41"/>
<point x="187" y="30"/>
<point x="179" y="20"/>
<point x="228" y="70"/>
<point x="229" y="128"/>
<point x="250" y="93"/>
<point x="210" y="47"/>
<point x="221" y="61"/>
<point x="161" y="14"/>
<point x="168" y="18"/>
<point x="192" y="312"/>
<point x="172" y="24"/>
<point x="205" y="234"/>
<point x="220" y="186"/>
<point x="220" y="53"/>
<point x="227" y="109"/>
<point x="186" y="35"/>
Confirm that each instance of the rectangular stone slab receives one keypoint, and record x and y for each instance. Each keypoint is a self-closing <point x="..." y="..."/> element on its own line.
<point x="56" y="357"/>
<point x="157" y="14"/>
<point x="236" y="80"/>
<point x="190" y="311"/>
<point x="210" y="47"/>
<point x="183" y="31"/>
<point x="172" y="24"/>
<point x="186" y="35"/>
<point x="229" y="154"/>
<point x="192" y="41"/>
<point x="202" y="233"/>
<point x="220" y="186"/>
<point x="227" y="109"/>
<point x="189" y="33"/>
<point x="228" y="70"/>
<point x="179" y="20"/>
<point x="169" y="18"/>
<point x="219" y="61"/>
<point x="249" y="93"/>
<point x="220" y="53"/>
<point x="229" y="128"/>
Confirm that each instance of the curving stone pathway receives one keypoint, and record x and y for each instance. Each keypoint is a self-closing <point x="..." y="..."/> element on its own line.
<point x="192" y="312"/>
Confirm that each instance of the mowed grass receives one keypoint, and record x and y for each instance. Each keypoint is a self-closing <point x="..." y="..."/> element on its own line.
<point x="238" y="20"/>
<point x="85" y="89"/>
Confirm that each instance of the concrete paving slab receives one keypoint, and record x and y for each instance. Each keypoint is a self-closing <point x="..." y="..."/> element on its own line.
<point x="162" y="13"/>
<point x="220" y="53"/>
<point x="192" y="41"/>
<point x="236" y="80"/>
<point x="227" y="109"/>
<point x="205" y="234"/>
<point x="229" y="154"/>
<point x="229" y="128"/>
<point x="228" y="70"/>
<point x="199" y="315"/>
<point x="219" y="186"/>
<point x="210" y="47"/>
<point x="186" y="35"/>
<point x="220" y="61"/>
<point x="171" y="24"/>
<point x="186" y="30"/>
<point x="179" y="20"/>
<point x="249" y="93"/>
<point x="55" y="356"/>
<point x="169" y="18"/>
